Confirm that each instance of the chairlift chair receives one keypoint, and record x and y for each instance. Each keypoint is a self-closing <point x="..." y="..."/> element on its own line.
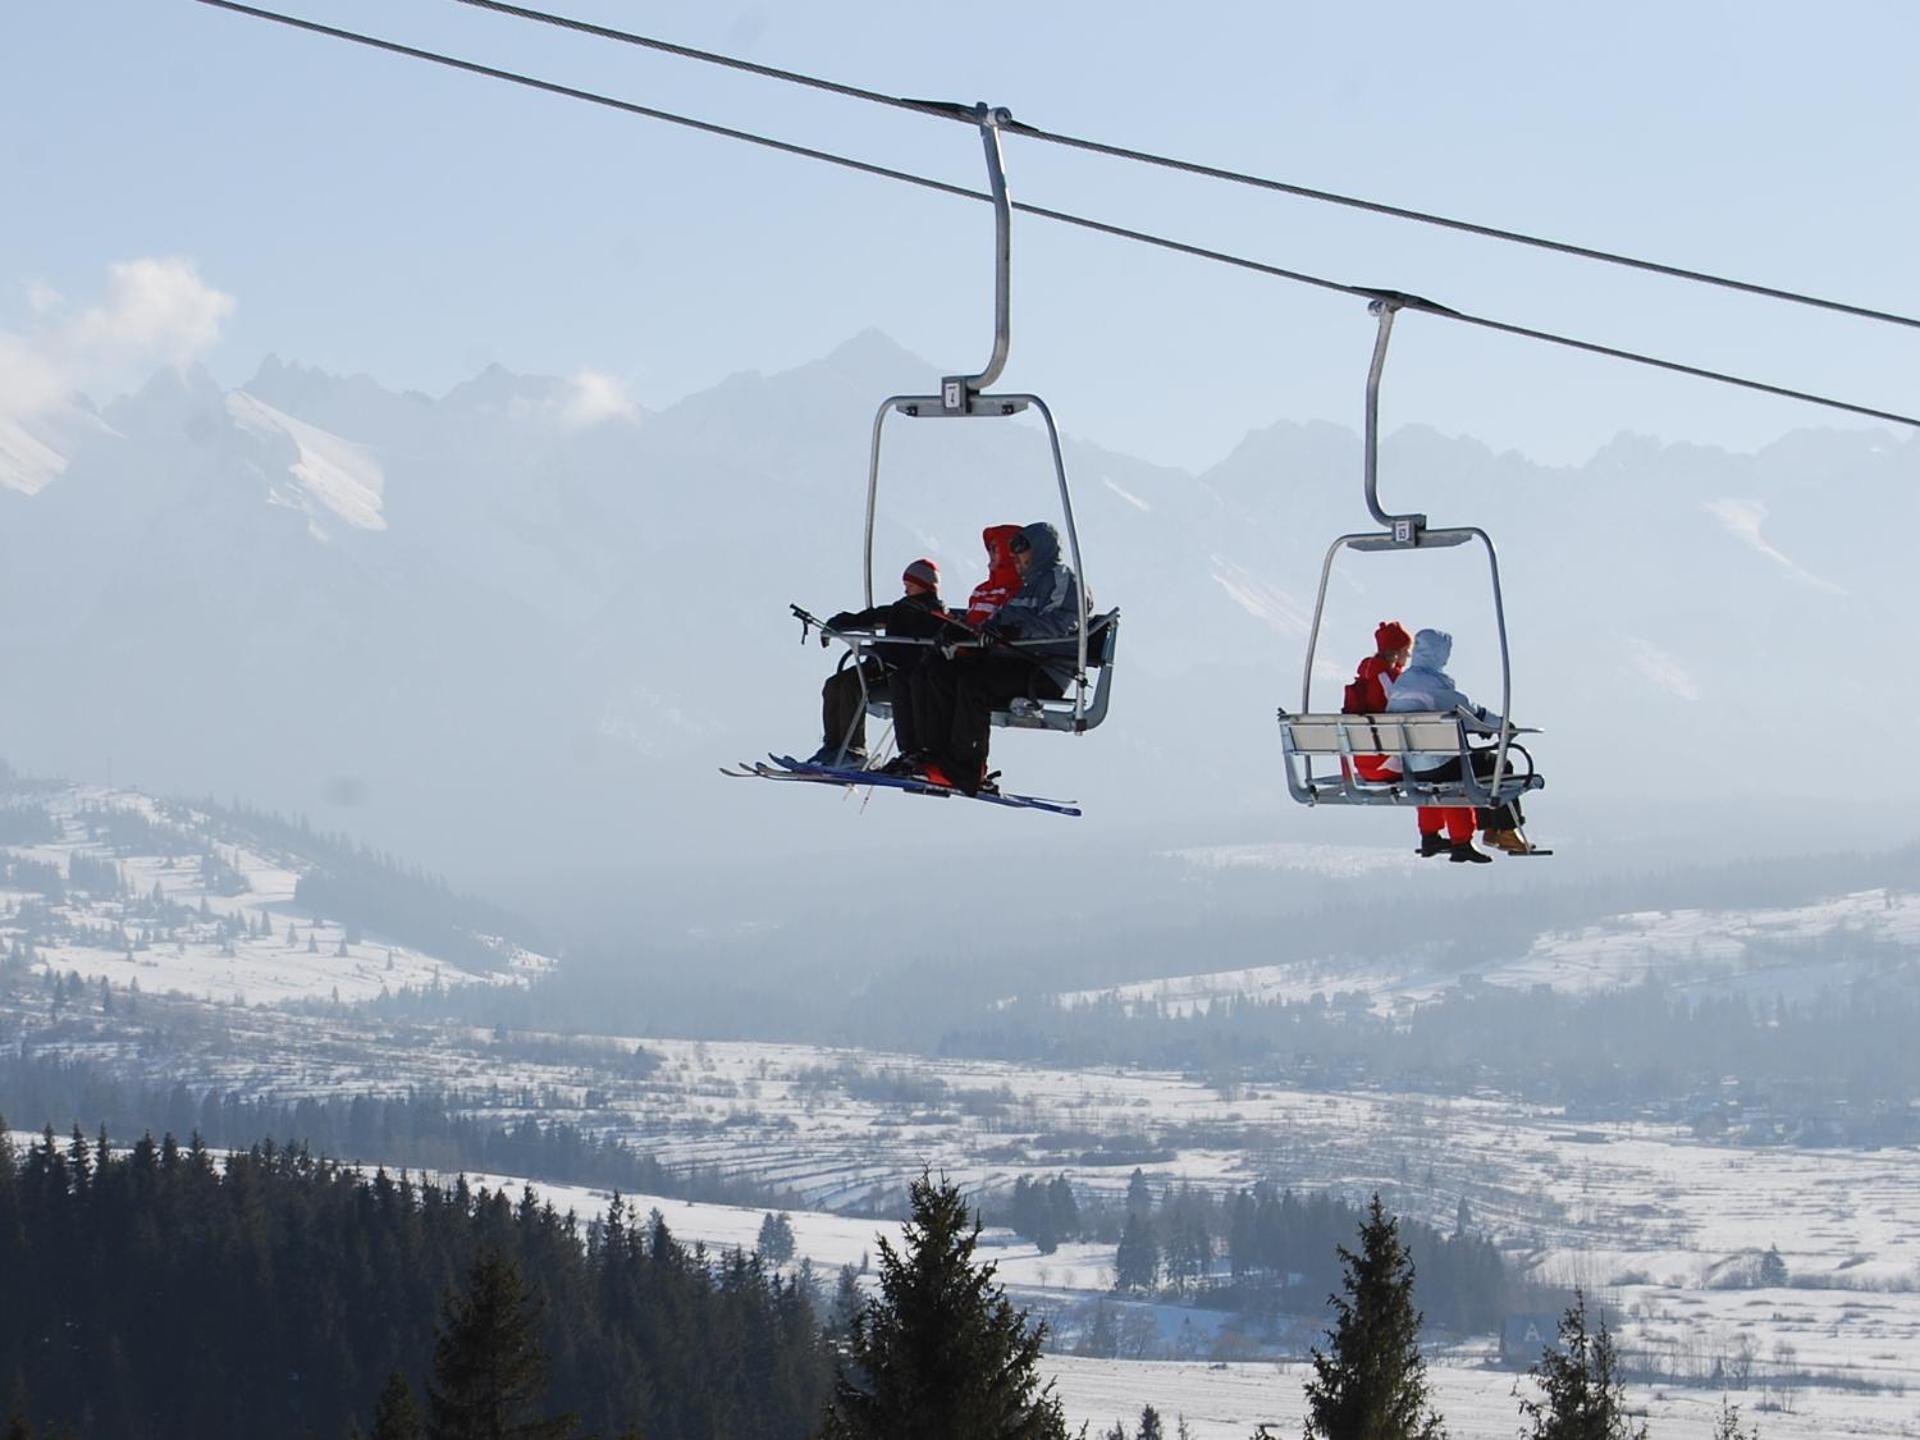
<point x="965" y="397"/>
<point x="1310" y="735"/>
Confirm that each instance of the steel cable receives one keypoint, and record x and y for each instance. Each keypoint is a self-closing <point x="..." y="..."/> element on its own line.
<point x="1043" y="212"/>
<point x="947" y="111"/>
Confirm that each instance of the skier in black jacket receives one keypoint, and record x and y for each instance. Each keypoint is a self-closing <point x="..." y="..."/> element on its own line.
<point x="916" y="615"/>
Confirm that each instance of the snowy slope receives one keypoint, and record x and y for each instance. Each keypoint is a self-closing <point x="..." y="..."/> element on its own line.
<point x="250" y="945"/>
<point x="34" y="452"/>
<point x="1788" y="951"/>
<point x="334" y="479"/>
<point x="27" y="463"/>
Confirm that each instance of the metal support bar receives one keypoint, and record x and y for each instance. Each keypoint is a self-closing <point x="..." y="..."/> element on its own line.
<point x="1452" y="535"/>
<point x="996" y="405"/>
<point x="1404" y="528"/>
<point x="957" y="391"/>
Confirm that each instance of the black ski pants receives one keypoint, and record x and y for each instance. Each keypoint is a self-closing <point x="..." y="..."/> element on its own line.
<point x="843" y="711"/>
<point x="1501" y="817"/>
<point x="955" y="700"/>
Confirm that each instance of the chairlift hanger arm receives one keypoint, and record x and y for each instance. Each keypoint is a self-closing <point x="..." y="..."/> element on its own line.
<point x="969" y="386"/>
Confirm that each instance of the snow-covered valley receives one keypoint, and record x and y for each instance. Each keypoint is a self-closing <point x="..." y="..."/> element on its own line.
<point x="170" y="945"/>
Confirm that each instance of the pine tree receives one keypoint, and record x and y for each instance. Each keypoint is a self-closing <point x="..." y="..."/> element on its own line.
<point x="941" y="1353"/>
<point x="775" y="1243"/>
<point x="847" y="1301"/>
<point x="1151" y="1427"/>
<point x="1371" y="1382"/>
<point x="1136" y="1263"/>
<point x="1102" y="1337"/>
<point x="1063" y="1210"/>
<point x="1773" y="1269"/>
<point x="395" y="1416"/>
<point x="488" y="1369"/>
<point x="1583" y="1397"/>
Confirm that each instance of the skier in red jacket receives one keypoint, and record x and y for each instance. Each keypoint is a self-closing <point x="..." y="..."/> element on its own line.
<point x="1367" y="695"/>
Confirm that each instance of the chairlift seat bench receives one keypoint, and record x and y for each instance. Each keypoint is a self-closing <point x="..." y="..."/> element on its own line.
<point x="1399" y="735"/>
<point x="1038" y="712"/>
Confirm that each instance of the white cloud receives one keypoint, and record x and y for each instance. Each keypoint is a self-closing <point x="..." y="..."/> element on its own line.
<point x="1661" y="668"/>
<point x="154" y="312"/>
<point x="31" y="381"/>
<point x="1743" y="519"/>
<point x="594" y="397"/>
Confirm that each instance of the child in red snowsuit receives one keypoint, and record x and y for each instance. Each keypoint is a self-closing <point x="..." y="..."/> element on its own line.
<point x="1367" y="695"/>
<point x="1003" y="577"/>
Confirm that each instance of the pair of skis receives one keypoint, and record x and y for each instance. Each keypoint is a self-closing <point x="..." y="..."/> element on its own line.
<point x="785" y="767"/>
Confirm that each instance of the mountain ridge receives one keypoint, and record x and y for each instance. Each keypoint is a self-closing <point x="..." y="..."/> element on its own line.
<point x="555" y="614"/>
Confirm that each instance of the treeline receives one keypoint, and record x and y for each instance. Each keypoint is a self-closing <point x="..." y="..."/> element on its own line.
<point x="1640" y="1044"/>
<point x="418" y="1130"/>
<point x="1260" y="1250"/>
<point x="24" y="823"/>
<point x="152" y="1293"/>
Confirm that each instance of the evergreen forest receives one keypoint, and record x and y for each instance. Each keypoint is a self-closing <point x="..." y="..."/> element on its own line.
<point x="153" y="1293"/>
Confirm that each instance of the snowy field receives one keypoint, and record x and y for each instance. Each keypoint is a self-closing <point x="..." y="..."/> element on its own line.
<point x="1226" y="1402"/>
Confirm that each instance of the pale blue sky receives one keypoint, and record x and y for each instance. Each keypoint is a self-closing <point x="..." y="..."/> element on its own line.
<point x="373" y="214"/>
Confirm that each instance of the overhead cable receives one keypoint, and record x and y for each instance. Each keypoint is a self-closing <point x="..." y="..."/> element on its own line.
<point x="1045" y="213"/>
<point x="1193" y="167"/>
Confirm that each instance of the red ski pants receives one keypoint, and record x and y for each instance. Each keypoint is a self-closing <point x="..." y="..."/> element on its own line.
<point x="1457" y="820"/>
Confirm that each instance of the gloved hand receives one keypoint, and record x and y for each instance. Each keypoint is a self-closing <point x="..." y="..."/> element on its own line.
<point x="840" y="620"/>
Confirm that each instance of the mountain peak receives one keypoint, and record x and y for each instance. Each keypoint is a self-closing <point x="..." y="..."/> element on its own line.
<point x="175" y="396"/>
<point x="498" y="390"/>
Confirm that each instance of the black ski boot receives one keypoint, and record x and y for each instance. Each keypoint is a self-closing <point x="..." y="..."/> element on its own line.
<point x="1432" y="845"/>
<point x="1465" y="854"/>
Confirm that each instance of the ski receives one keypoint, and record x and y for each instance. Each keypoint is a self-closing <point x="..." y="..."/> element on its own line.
<point x="792" y="769"/>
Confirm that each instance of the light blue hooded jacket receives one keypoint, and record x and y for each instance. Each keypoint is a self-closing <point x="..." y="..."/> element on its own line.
<point x="1047" y="605"/>
<point x="1425" y="685"/>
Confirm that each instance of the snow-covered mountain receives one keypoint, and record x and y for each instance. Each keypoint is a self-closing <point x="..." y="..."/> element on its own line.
<point x="519" y="620"/>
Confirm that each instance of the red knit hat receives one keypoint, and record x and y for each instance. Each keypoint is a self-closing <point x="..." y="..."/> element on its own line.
<point x="922" y="572"/>
<point x="1391" y="636"/>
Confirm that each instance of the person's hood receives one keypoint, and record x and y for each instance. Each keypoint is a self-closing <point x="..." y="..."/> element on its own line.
<point x="1431" y="650"/>
<point x="1044" y="541"/>
<point x="999" y="540"/>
